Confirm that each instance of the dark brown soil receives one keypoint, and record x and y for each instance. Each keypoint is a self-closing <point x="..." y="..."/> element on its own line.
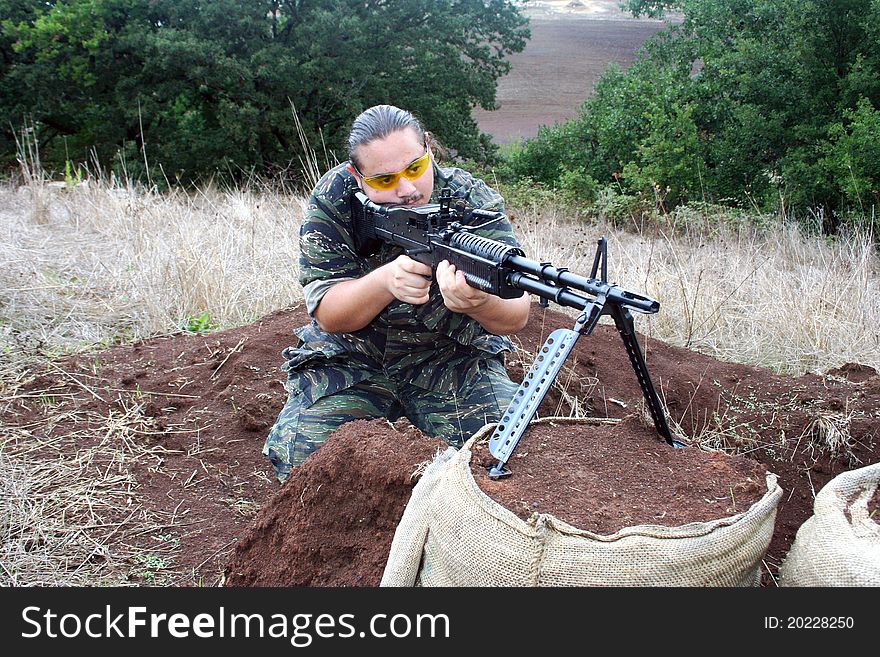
<point x="333" y="512"/>
<point x="332" y="522"/>
<point x="603" y="478"/>
<point x="210" y="400"/>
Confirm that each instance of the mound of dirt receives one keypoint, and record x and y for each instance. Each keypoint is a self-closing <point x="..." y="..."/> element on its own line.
<point x="195" y="410"/>
<point x="343" y="505"/>
<point x="332" y="522"/>
<point x="605" y="477"/>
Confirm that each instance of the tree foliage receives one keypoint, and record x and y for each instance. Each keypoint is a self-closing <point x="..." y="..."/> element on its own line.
<point x="744" y="101"/>
<point x="187" y="88"/>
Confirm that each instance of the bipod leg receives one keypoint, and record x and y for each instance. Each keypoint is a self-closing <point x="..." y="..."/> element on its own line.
<point x="624" y="322"/>
<point x="534" y="387"/>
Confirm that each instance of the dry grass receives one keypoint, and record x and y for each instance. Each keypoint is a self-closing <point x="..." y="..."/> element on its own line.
<point x="87" y="265"/>
<point x="69" y="506"/>
<point x="771" y="297"/>
<point x="91" y="264"/>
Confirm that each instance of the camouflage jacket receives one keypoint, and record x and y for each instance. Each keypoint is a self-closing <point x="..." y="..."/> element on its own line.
<point x="427" y="345"/>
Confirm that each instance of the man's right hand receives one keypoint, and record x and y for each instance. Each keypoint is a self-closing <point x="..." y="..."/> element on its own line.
<point x="350" y="305"/>
<point x="408" y="280"/>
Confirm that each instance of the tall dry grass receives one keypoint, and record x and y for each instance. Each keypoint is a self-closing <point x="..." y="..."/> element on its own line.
<point x="85" y="265"/>
<point x="82" y="266"/>
<point x="772" y="296"/>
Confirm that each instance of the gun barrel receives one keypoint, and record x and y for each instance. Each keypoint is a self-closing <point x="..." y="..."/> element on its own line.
<point x="530" y="276"/>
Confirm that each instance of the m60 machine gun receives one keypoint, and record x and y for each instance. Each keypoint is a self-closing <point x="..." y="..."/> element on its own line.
<point x="446" y="231"/>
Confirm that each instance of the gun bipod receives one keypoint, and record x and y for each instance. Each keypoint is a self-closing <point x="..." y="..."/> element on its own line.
<point x="538" y="380"/>
<point x="534" y="387"/>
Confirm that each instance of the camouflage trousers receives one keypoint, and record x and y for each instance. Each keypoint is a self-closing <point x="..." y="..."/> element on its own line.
<point x="301" y="428"/>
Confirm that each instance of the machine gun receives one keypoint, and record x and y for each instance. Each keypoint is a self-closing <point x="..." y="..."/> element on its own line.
<point x="445" y="231"/>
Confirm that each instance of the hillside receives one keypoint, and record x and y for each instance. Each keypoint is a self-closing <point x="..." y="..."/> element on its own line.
<point x="569" y="50"/>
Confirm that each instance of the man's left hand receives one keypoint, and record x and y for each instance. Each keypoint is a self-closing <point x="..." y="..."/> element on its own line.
<point x="458" y="296"/>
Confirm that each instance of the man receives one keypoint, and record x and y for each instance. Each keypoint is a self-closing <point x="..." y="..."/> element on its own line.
<point x="388" y="338"/>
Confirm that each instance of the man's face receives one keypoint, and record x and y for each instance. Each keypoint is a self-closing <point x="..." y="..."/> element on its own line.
<point x="393" y="155"/>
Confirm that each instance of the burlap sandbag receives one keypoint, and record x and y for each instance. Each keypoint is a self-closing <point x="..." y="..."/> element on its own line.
<point x="453" y="534"/>
<point x="402" y="566"/>
<point x="839" y="545"/>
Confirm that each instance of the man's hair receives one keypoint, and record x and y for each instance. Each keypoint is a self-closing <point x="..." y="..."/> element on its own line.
<point x="377" y="123"/>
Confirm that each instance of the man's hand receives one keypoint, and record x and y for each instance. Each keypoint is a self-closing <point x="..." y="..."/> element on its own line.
<point x="458" y="296"/>
<point x="350" y="305"/>
<point x="496" y="315"/>
<point x="408" y="280"/>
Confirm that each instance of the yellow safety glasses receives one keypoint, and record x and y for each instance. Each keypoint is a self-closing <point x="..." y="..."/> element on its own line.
<point x="386" y="181"/>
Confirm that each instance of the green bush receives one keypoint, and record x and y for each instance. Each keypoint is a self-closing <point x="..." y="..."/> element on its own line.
<point x="853" y="158"/>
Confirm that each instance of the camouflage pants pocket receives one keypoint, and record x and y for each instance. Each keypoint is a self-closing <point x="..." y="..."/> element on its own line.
<point x="281" y="444"/>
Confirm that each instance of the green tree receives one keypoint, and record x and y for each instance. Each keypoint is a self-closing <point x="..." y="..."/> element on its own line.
<point x="847" y="162"/>
<point x="187" y="89"/>
<point x="668" y="153"/>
